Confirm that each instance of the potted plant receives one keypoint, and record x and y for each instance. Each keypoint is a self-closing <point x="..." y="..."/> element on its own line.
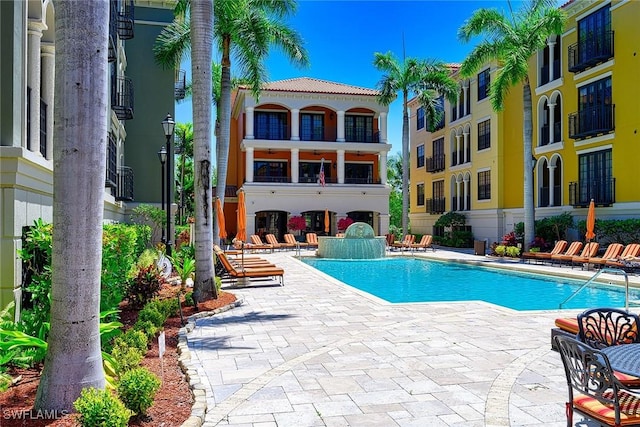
<point x="344" y="223"/>
<point x="296" y="224"/>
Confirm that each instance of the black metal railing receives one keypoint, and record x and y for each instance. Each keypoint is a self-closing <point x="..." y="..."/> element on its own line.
<point x="544" y="135"/>
<point x="374" y="137"/>
<point x="111" y="179"/>
<point x="454" y="158"/>
<point x="125" y="184"/>
<point x="229" y="191"/>
<point x="603" y="192"/>
<point x="435" y="163"/>
<point x="43" y="128"/>
<point x="180" y="88"/>
<point x="316" y="180"/>
<point x="544" y="198"/>
<point x="356" y="180"/>
<point x="435" y="206"/>
<point x="592" y="50"/>
<point x="126" y="20"/>
<point x="280" y="179"/>
<point x="113" y="31"/>
<point x="454" y="203"/>
<point x="592" y="121"/>
<point x="122" y="98"/>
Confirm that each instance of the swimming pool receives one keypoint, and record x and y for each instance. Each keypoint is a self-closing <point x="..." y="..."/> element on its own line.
<point x="403" y="280"/>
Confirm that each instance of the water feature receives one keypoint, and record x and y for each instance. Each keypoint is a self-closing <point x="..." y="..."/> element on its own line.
<point x="359" y="242"/>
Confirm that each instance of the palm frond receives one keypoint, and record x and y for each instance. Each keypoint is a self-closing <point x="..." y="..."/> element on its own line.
<point x="173" y="42"/>
<point x="489" y="22"/>
<point x="483" y="53"/>
<point x="291" y="44"/>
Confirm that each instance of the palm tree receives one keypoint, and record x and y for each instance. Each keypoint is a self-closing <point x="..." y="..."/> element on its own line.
<point x="427" y="80"/>
<point x="201" y="51"/>
<point x="184" y="146"/>
<point x="74" y="359"/>
<point x="512" y="41"/>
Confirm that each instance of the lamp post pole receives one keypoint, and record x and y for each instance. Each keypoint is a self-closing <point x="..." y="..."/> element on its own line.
<point x="162" y="155"/>
<point x="168" y="126"/>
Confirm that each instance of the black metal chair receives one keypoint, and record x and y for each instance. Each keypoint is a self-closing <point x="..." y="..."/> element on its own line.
<point x="594" y="391"/>
<point x="604" y="327"/>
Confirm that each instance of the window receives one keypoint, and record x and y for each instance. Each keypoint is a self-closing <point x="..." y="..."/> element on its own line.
<point x="484" y="185"/>
<point x="596" y="180"/>
<point x="270" y="125"/>
<point x="437" y="204"/>
<point x="420" y="118"/>
<point x="269" y="171"/>
<point x="436" y="163"/>
<point x="420" y="157"/>
<point x="358" y="128"/>
<point x="311" y="127"/>
<point x="358" y="173"/>
<point x="440" y="109"/>
<point x="484" y="135"/>
<point x="483" y="84"/>
<point x="112" y="162"/>
<point x="595" y="110"/>
<point x="420" y="194"/>
<point x="309" y="172"/>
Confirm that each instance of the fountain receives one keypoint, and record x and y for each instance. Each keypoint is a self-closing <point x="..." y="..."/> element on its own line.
<point x="359" y="242"/>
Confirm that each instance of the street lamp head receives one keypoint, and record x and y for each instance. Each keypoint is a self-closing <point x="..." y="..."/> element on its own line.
<point x="162" y="155"/>
<point x="168" y="125"/>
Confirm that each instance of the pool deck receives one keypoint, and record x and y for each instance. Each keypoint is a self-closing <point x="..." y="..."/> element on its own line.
<point x="316" y="352"/>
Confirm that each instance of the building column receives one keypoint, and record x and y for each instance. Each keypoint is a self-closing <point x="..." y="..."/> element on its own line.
<point x="249" y="123"/>
<point x="34" y="37"/>
<point x="465" y="89"/>
<point x="551" y="109"/>
<point x="466" y="194"/>
<point x="48" y="81"/>
<point x="340" y="130"/>
<point x="552" y="47"/>
<point x="551" y="185"/>
<point x="382" y="167"/>
<point x="295" y="124"/>
<point x="249" y="164"/>
<point x="383" y="128"/>
<point x="465" y="144"/>
<point x="458" y="159"/>
<point x="340" y="161"/>
<point x="295" y="165"/>
<point x="458" y="195"/>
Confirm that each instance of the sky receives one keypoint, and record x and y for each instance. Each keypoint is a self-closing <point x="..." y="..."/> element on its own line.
<point x="341" y="37"/>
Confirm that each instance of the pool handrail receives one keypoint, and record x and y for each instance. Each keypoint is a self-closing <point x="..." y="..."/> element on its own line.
<point x="594" y="277"/>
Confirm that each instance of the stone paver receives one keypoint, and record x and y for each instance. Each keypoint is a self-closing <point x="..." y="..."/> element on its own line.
<point x="319" y="353"/>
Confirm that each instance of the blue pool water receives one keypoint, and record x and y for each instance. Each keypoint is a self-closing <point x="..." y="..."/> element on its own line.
<point x="402" y="280"/>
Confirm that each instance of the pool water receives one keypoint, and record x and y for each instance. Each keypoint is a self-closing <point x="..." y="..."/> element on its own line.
<point x="405" y="280"/>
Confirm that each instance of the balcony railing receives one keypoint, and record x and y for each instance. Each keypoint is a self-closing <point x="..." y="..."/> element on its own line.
<point x="603" y="192"/>
<point x="355" y="180"/>
<point x="125" y="184"/>
<point x="593" y="50"/>
<point x="543" y="196"/>
<point x="180" y="88"/>
<point x="43" y="128"/>
<point x="113" y="31"/>
<point x="111" y="179"/>
<point x="435" y="206"/>
<point x="122" y="98"/>
<point x="126" y="20"/>
<point x="375" y="137"/>
<point x="229" y="191"/>
<point x="435" y="163"/>
<point x="592" y="121"/>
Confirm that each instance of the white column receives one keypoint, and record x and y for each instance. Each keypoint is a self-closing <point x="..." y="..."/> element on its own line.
<point x="48" y="81"/>
<point x="466" y="146"/>
<point x="382" y="122"/>
<point x="551" y="136"/>
<point x="295" y="165"/>
<point x="340" y="130"/>
<point x="249" y="164"/>
<point x="340" y="160"/>
<point x="382" y="167"/>
<point x="34" y="36"/>
<point x="295" y="124"/>
<point x="552" y="47"/>
<point x="465" y="89"/>
<point x="551" y="184"/>
<point x="249" y="119"/>
<point x="458" y="159"/>
<point x="458" y="195"/>
<point x="466" y="194"/>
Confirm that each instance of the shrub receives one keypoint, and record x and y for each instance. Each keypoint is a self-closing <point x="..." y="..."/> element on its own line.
<point x="147" y="327"/>
<point x="118" y="249"/>
<point x="100" y="408"/>
<point x="153" y="315"/>
<point x="133" y="338"/>
<point x="147" y="257"/>
<point x="297" y="223"/>
<point x="188" y="298"/>
<point x="344" y="223"/>
<point x="512" y="251"/>
<point x="126" y="357"/>
<point x="500" y="250"/>
<point x="510" y="239"/>
<point x="167" y="307"/>
<point x="144" y="286"/>
<point x="137" y="389"/>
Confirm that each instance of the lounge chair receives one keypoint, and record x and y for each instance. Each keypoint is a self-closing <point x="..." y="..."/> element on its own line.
<point x="258" y="244"/>
<point x="590" y="250"/>
<point x="574" y="249"/>
<point x="391" y="238"/>
<point x="312" y="240"/>
<point x="424" y="243"/>
<point x="405" y="243"/>
<point x="271" y="239"/>
<point x="241" y="272"/>
<point x="630" y="252"/>
<point x="559" y="248"/>
<point x="291" y="239"/>
<point x="613" y="251"/>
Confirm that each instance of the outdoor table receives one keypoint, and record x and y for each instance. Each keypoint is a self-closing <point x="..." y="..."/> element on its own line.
<point x="624" y="358"/>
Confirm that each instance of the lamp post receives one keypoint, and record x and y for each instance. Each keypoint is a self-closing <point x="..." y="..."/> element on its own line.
<point x="168" y="125"/>
<point x="162" y="155"/>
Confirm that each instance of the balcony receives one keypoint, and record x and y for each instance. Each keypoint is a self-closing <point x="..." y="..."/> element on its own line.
<point x="359" y="181"/>
<point x="364" y="137"/>
<point x="435" y="206"/>
<point x="126" y="20"/>
<point x="603" y="192"/>
<point x="229" y="191"/>
<point x="592" y="121"/>
<point x="111" y="179"/>
<point x="435" y="163"/>
<point x="122" y="98"/>
<point x="113" y="31"/>
<point x="124" y="191"/>
<point x="180" y="88"/>
<point x="594" y="49"/>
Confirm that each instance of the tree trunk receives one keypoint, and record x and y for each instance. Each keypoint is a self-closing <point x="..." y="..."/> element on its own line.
<point x="74" y="359"/>
<point x="222" y="139"/>
<point x="528" y="165"/>
<point x="405" y="165"/>
<point x="201" y="55"/>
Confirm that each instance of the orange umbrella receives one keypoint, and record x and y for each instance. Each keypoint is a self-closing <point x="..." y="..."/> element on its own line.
<point x="327" y="223"/>
<point x="591" y="221"/>
<point x="220" y="215"/>
<point x="241" y="218"/>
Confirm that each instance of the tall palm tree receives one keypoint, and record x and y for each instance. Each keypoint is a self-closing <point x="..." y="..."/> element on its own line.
<point x="73" y="359"/>
<point x="201" y="52"/>
<point x="427" y="80"/>
<point x="184" y="145"/>
<point x="512" y="41"/>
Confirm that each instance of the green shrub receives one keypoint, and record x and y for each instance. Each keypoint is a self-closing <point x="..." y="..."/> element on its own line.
<point x="126" y="357"/>
<point x="100" y="408"/>
<point x="152" y="314"/>
<point x="513" y="251"/>
<point x="133" y="338"/>
<point x="118" y="249"/>
<point x="500" y="250"/>
<point x="167" y="307"/>
<point x="188" y="297"/>
<point x="147" y="327"/>
<point x="137" y="389"/>
<point x="144" y="286"/>
<point x="623" y="231"/>
<point x="146" y="258"/>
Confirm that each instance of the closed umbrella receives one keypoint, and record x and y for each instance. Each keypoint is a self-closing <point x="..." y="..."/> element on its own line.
<point x="591" y="221"/>
<point x="327" y="222"/>
<point x="220" y="215"/>
<point x="241" y="218"/>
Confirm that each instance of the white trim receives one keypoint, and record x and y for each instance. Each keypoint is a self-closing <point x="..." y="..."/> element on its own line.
<point x="594" y="149"/>
<point x="594" y="140"/>
<point x="483" y="119"/>
<point x="617" y="5"/>
<point x="483" y="169"/>
<point x="559" y="145"/>
<point x="592" y="71"/>
<point x="554" y="84"/>
<point x="260" y="159"/>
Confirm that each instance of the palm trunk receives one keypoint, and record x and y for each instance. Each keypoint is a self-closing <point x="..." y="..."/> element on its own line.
<point x="222" y="140"/>
<point x="405" y="165"/>
<point x="201" y="46"/>
<point x="74" y="359"/>
<point x="528" y="165"/>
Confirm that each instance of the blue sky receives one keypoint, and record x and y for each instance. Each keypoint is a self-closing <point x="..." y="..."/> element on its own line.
<point x="341" y="37"/>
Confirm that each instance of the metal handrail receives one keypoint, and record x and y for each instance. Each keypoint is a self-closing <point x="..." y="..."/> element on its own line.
<point x="594" y="277"/>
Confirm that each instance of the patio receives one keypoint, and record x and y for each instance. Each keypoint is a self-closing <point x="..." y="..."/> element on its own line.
<point x="318" y="353"/>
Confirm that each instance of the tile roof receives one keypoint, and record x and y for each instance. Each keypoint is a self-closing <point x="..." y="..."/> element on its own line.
<point x="310" y="85"/>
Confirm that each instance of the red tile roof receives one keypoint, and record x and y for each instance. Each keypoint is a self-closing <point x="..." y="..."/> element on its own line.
<point x="307" y="84"/>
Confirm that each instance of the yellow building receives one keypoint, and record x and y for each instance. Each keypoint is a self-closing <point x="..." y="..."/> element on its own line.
<point x="585" y="133"/>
